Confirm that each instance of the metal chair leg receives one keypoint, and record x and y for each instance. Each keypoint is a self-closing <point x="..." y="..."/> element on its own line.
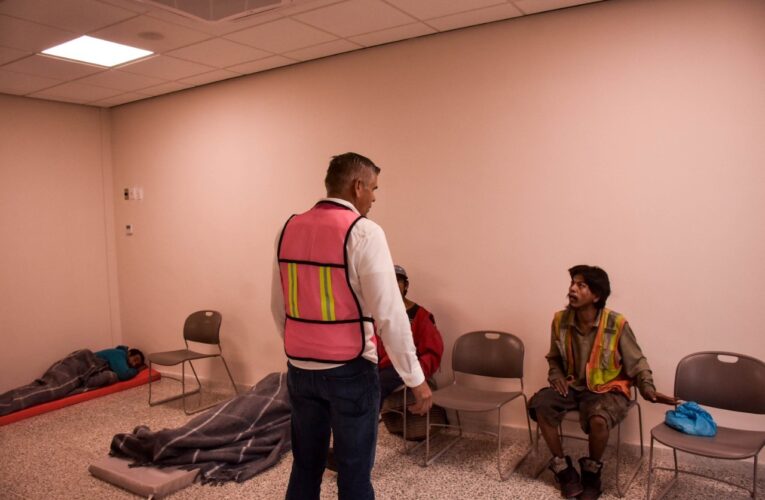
<point x="183" y="393"/>
<point x="499" y="443"/>
<point x="650" y="471"/>
<point x="622" y="490"/>
<point x="754" y="479"/>
<point x="233" y="384"/>
<point x="404" y="412"/>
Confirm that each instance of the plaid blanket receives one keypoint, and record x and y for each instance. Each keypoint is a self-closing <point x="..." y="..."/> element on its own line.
<point x="232" y="441"/>
<point x="78" y="372"/>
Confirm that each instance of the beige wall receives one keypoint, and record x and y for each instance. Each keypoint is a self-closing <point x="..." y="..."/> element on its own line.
<point x="625" y="133"/>
<point x="56" y="292"/>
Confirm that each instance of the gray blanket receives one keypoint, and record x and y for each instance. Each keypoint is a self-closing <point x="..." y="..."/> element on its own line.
<point x="230" y="442"/>
<point x="78" y="372"/>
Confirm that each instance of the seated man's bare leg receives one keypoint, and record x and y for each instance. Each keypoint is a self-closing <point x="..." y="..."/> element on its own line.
<point x="598" y="437"/>
<point x="550" y="434"/>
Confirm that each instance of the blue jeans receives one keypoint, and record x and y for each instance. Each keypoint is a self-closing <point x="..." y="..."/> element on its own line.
<point x="344" y="402"/>
<point x="389" y="382"/>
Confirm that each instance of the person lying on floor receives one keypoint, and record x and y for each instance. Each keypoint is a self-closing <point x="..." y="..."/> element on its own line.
<point x="232" y="441"/>
<point x="78" y="372"/>
<point x="126" y="363"/>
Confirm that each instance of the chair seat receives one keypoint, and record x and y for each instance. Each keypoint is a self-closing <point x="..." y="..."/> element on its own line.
<point x="458" y="397"/>
<point x="169" y="358"/>
<point x="734" y="444"/>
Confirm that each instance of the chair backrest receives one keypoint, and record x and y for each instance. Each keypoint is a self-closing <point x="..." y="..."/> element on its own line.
<point x="737" y="385"/>
<point x="488" y="353"/>
<point x="203" y="327"/>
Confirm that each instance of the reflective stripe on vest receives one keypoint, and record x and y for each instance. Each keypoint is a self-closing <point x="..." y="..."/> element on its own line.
<point x="604" y="369"/>
<point x="323" y="320"/>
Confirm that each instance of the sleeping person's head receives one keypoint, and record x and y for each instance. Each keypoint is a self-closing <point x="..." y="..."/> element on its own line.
<point x="135" y="358"/>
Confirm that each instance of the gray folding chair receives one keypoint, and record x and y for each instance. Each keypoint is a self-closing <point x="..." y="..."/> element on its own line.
<point x="724" y="380"/>
<point x="633" y="469"/>
<point x="485" y="353"/>
<point x="202" y="327"/>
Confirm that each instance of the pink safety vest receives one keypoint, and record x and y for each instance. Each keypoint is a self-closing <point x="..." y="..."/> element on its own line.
<point x="324" y="321"/>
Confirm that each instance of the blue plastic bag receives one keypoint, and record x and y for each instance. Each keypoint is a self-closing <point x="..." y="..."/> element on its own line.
<point x="691" y="418"/>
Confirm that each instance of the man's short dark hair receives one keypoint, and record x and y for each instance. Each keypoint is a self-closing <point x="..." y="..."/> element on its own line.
<point x="344" y="169"/>
<point x="131" y="352"/>
<point x="597" y="279"/>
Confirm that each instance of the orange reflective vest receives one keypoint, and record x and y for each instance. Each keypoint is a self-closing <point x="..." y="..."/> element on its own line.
<point x="324" y="321"/>
<point x="604" y="369"/>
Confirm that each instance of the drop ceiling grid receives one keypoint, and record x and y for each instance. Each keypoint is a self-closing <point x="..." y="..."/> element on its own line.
<point x="191" y="53"/>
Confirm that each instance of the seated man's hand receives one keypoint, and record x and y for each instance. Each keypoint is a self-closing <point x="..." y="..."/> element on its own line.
<point x="560" y="385"/>
<point x="423" y="399"/>
<point x="654" y="396"/>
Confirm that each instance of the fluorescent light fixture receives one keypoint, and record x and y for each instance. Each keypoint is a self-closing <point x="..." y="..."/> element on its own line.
<point x="96" y="51"/>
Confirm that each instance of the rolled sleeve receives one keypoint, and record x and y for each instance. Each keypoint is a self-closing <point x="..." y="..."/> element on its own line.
<point x="635" y="363"/>
<point x="554" y="359"/>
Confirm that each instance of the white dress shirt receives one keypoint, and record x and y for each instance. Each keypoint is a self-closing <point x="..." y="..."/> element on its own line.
<point x="370" y="271"/>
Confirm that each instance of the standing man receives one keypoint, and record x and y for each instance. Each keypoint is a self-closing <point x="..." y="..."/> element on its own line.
<point x="594" y="361"/>
<point x="335" y="287"/>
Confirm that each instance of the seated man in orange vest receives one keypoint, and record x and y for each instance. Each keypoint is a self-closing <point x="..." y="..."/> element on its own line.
<point x="594" y="361"/>
<point x="427" y="341"/>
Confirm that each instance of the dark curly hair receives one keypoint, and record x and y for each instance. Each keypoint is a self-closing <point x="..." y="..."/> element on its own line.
<point x="597" y="279"/>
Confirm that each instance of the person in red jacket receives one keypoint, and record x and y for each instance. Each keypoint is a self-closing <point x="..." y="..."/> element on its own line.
<point x="427" y="341"/>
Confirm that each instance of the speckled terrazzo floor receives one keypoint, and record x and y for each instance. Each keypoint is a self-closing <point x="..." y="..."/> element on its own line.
<point x="47" y="457"/>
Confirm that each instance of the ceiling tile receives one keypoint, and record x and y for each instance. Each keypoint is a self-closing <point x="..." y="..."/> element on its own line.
<point x="219" y="53"/>
<point x="475" y="17"/>
<point x="323" y="50"/>
<point x="212" y="76"/>
<point x="152" y="34"/>
<point x="220" y="28"/>
<point x="80" y="16"/>
<point x="77" y="92"/>
<point x="305" y="5"/>
<point x="534" y="6"/>
<point x="137" y="7"/>
<point x="119" y="99"/>
<point x="51" y="67"/>
<point x="393" y="34"/>
<point x="25" y="35"/>
<point x="165" y="88"/>
<point x="280" y="36"/>
<point x="262" y="65"/>
<point x="166" y="68"/>
<point x="19" y="84"/>
<point x="8" y="54"/>
<point x="354" y="18"/>
<point x="188" y="52"/>
<point x="428" y="9"/>
<point x="121" y="80"/>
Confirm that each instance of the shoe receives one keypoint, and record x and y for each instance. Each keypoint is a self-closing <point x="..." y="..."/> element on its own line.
<point x="331" y="464"/>
<point x="591" y="488"/>
<point x="567" y="478"/>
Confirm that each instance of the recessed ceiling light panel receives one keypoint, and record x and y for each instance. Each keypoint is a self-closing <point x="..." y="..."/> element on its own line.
<point x="96" y="51"/>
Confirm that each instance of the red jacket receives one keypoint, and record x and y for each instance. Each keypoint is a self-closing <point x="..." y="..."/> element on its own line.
<point x="427" y="341"/>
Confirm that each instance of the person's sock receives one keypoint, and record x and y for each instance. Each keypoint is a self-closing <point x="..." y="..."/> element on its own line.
<point x="557" y="464"/>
